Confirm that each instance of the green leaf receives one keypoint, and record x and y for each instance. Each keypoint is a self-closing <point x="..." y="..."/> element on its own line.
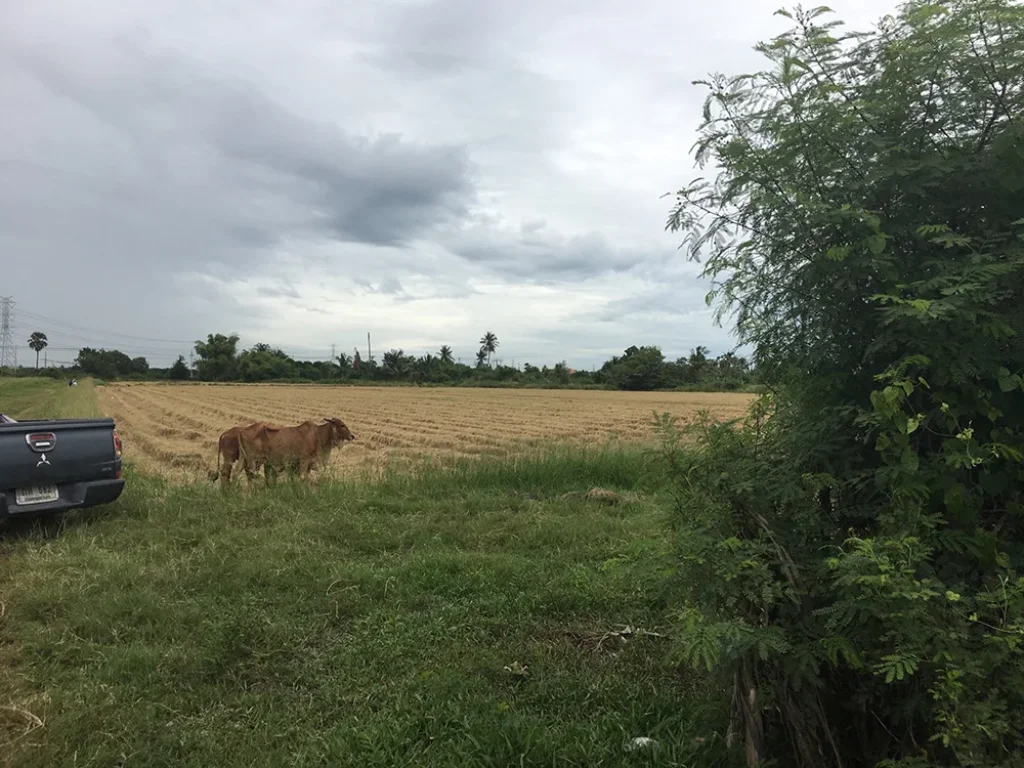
<point x="910" y="461"/>
<point x="1007" y="381"/>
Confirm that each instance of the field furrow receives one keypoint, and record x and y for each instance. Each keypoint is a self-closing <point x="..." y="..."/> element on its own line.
<point x="172" y="429"/>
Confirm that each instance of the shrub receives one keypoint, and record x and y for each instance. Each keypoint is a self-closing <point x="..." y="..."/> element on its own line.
<point x="856" y="558"/>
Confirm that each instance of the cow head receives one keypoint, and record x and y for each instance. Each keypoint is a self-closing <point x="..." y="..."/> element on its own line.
<point x="339" y="431"/>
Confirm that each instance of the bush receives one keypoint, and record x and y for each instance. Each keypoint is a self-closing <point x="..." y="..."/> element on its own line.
<point x="855" y="561"/>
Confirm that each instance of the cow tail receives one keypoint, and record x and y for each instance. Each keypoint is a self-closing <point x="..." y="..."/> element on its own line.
<point x="216" y="473"/>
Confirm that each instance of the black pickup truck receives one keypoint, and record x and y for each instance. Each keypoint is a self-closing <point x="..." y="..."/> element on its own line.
<point x="57" y="464"/>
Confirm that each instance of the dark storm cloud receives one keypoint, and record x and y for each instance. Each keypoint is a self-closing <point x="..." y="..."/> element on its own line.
<point x="261" y="172"/>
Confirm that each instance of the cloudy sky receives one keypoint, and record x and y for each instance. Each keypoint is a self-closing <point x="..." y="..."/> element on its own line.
<point x="304" y="171"/>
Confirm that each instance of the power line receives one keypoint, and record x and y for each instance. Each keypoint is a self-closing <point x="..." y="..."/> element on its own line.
<point x="106" y="332"/>
<point x="92" y="341"/>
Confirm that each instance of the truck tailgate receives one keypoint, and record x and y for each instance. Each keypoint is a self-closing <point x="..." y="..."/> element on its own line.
<point x="41" y="453"/>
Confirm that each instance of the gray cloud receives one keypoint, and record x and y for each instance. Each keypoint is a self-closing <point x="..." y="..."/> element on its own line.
<point x="679" y="300"/>
<point x="261" y="172"/>
<point x="278" y="291"/>
<point x="537" y="253"/>
<point x="424" y="170"/>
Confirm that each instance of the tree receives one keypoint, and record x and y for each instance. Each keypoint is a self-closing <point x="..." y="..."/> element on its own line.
<point x="561" y="371"/>
<point x="37" y="342"/>
<point x="481" y="357"/>
<point x="489" y="344"/>
<point x="103" y="363"/>
<point x="445" y="355"/>
<point x="344" y="363"/>
<point x="179" y="371"/>
<point x="395" y="363"/>
<point x="852" y="562"/>
<point x="698" y="362"/>
<point x="217" y="357"/>
<point x="639" y="369"/>
<point x="139" y="366"/>
<point x="265" y="363"/>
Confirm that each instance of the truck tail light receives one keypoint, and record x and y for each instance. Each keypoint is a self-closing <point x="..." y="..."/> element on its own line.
<point x="117" y="445"/>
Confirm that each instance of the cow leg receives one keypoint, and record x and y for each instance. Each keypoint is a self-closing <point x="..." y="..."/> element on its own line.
<point x="292" y="467"/>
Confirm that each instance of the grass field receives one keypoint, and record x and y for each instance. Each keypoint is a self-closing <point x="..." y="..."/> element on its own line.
<point x="172" y="430"/>
<point x="464" y="617"/>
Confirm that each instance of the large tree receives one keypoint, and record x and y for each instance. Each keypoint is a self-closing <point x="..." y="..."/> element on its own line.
<point x="854" y="563"/>
<point x="217" y="357"/>
<point x="38" y="342"/>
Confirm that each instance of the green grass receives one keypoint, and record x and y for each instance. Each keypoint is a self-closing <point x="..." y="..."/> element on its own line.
<point x="40" y="398"/>
<point x="350" y="624"/>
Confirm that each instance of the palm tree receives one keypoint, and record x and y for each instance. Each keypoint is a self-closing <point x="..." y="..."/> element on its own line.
<point x="489" y="343"/>
<point x="344" y="361"/>
<point x="37" y="341"/>
<point x="446" y="355"/>
<point x="395" y="363"/>
<point x="699" y="355"/>
<point x="481" y="357"/>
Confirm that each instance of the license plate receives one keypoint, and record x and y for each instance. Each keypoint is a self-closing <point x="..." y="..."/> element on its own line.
<point x="38" y="495"/>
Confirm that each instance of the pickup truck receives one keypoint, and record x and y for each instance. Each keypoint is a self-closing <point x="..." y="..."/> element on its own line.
<point x="55" y="465"/>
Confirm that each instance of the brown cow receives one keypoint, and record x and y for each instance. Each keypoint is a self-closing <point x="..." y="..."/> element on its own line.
<point x="228" y="447"/>
<point x="299" y="448"/>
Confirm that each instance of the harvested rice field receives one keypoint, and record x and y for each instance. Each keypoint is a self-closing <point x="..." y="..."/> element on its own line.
<point x="172" y="429"/>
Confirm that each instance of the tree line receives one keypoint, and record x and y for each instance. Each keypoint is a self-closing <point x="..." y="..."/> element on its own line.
<point x="219" y="359"/>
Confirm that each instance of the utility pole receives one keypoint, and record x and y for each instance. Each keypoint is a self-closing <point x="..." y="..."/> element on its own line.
<point x="8" y="350"/>
<point x="369" y="349"/>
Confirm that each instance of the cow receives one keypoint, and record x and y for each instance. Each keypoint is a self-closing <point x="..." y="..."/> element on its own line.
<point x="228" y="447"/>
<point x="299" y="448"/>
